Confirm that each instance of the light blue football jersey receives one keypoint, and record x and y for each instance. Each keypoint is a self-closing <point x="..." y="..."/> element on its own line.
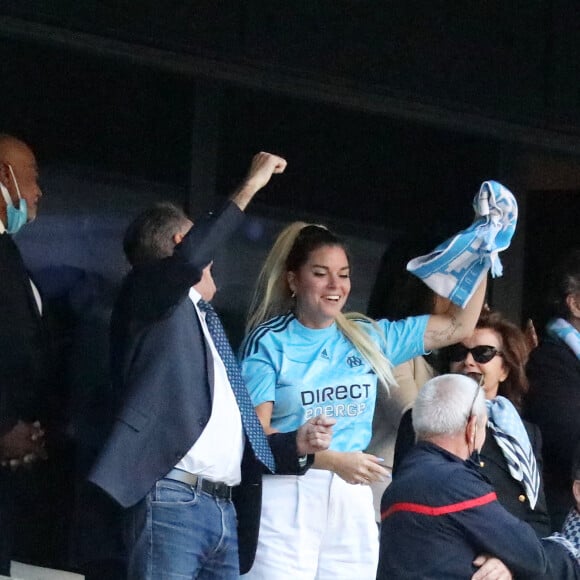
<point x="308" y="372"/>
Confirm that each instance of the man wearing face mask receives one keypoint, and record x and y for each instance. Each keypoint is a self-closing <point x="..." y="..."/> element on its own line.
<point x="23" y="352"/>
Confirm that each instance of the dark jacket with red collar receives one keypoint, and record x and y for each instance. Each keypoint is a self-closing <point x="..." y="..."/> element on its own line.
<point x="510" y="492"/>
<point x="440" y="513"/>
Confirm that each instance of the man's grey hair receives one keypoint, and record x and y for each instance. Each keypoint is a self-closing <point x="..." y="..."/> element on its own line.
<point x="149" y="237"/>
<point x="445" y="404"/>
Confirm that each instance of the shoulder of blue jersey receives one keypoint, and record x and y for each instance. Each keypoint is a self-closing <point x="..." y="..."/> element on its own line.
<point x="366" y="323"/>
<point x="274" y="325"/>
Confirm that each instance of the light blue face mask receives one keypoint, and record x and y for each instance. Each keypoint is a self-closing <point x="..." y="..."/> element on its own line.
<point x="15" y="217"/>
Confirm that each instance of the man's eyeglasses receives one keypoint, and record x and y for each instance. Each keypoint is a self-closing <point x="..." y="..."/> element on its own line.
<point x="481" y="354"/>
<point x="470" y="414"/>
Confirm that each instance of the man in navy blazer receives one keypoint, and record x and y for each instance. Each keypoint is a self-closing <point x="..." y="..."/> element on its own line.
<point x="177" y="450"/>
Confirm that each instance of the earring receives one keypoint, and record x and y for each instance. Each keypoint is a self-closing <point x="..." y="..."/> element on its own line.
<point x="293" y="295"/>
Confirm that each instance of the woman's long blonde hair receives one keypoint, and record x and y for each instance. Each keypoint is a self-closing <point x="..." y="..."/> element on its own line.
<point x="273" y="296"/>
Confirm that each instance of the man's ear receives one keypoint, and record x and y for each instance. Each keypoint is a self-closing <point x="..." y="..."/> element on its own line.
<point x="471" y="431"/>
<point x="573" y="302"/>
<point x="182" y="232"/>
<point x="177" y="238"/>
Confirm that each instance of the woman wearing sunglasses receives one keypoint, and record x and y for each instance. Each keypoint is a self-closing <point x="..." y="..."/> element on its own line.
<point x="495" y="356"/>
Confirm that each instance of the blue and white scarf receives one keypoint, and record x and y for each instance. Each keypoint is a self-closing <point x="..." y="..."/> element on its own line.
<point x="570" y="536"/>
<point x="563" y="330"/>
<point x="457" y="266"/>
<point x="512" y="438"/>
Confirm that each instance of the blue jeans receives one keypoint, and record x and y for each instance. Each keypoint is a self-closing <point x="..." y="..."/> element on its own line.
<point x="178" y="532"/>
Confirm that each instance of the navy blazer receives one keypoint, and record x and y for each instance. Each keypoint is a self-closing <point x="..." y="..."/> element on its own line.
<point x="162" y="375"/>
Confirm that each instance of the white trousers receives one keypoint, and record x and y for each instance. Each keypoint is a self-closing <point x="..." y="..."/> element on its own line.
<point x="315" y="527"/>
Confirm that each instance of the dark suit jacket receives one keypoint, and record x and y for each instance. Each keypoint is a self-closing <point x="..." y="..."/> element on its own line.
<point x="510" y="492"/>
<point x="417" y="547"/>
<point x="553" y="403"/>
<point x="25" y="378"/>
<point x="24" y="356"/>
<point x="163" y="374"/>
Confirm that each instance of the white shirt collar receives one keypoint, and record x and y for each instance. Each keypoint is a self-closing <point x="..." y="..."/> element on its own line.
<point x="2" y="228"/>
<point x="194" y="295"/>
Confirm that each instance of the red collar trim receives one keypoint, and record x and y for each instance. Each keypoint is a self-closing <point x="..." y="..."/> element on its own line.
<point x="426" y="510"/>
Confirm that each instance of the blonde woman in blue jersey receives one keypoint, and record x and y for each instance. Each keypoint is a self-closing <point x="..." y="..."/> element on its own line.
<point x="303" y="357"/>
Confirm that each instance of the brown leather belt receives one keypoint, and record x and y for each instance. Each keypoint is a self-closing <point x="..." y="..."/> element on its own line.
<point x="215" y="488"/>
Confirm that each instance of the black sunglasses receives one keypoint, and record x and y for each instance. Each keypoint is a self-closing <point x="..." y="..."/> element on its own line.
<point x="481" y="354"/>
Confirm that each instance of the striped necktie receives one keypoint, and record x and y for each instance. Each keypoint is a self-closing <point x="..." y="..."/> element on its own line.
<point x="252" y="426"/>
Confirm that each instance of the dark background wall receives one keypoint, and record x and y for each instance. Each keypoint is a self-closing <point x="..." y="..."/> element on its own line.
<point x="507" y="60"/>
<point x="390" y="115"/>
<point x="136" y="121"/>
